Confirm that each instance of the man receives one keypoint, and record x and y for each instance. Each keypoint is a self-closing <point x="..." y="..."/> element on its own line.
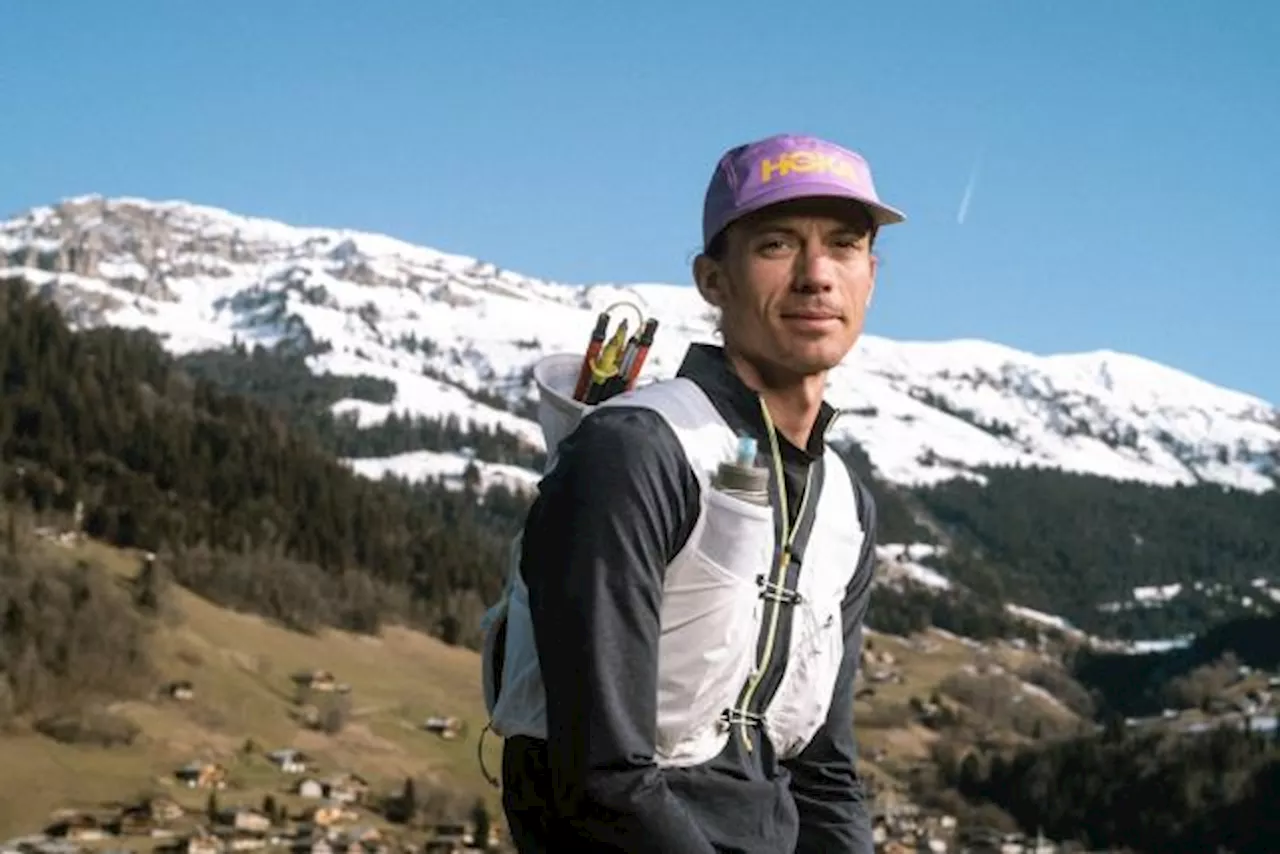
<point x="696" y="652"/>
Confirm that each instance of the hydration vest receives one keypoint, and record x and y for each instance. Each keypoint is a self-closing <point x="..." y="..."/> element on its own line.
<point x="721" y="595"/>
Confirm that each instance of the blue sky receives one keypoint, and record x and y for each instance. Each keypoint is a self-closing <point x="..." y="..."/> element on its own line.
<point x="1126" y="198"/>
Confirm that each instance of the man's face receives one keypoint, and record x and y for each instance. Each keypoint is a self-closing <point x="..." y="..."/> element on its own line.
<point x="793" y="285"/>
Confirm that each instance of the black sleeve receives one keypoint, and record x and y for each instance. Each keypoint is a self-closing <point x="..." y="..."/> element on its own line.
<point x="617" y="507"/>
<point x="834" y="815"/>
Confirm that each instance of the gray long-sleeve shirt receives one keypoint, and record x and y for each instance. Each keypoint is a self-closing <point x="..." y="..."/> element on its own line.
<point x="616" y="509"/>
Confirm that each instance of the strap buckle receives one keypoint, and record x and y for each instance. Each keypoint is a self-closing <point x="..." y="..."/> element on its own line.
<point x="777" y="592"/>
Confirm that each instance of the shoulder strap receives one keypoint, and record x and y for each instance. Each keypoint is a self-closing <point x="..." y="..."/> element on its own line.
<point x="682" y="403"/>
<point x="864" y="499"/>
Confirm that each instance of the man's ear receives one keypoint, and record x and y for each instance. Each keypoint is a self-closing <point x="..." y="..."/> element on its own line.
<point x="710" y="279"/>
<point x="875" y="262"/>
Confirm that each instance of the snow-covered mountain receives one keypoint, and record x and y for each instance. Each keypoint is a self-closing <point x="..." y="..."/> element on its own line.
<point x="446" y="329"/>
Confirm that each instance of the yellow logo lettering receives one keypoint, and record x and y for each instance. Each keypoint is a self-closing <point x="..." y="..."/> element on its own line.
<point x="768" y="167"/>
<point x="805" y="161"/>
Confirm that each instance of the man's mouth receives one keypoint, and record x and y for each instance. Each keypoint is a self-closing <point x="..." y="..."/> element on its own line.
<point x="813" y="316"/>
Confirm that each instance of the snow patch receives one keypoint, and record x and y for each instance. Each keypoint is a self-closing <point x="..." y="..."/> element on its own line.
<point x="446" y="329"/>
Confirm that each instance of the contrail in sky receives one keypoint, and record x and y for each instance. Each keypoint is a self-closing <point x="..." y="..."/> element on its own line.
<point x="968" y="190"/>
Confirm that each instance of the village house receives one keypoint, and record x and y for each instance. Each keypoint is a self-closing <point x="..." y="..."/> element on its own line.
<point x="366" y="833"/>
<point x="242" y="818"/>
<point x="134" y="821"/>
<point x="871" y="657"/>
<point x="362" y="840"/>
<point x="327" y="815"/>
<point x="253" y="832"/>
<point x="289" y="760"/>
<point x="989" y="839"/>
<point x="319" y="681"/>
<point x="883" y="674"/>
<point x="79" y="827"/>
<point x="346" y="788"/>
<point x="904" y="827"/>
<point x="164" y="810"/>
<point x="447" y="846"/>
<point x="67" y="539"/>
<point x="182" y="690"/>
<point x="310" y="787"/>
<point x="53" y="846"/>
<point x="148" y="817"/>
<point x="202" y="775"/>
<point x="235" y="840"/>
<point x="352" y="845"/>
<point x="458" y="834"/>
<point x="446" y="727"/>
<point x="355" y="840"/>
<point x="200" y="843"/>
<point x="21" y="844"/>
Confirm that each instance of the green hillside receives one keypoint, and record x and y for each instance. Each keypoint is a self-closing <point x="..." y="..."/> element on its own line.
<point x="91" y="742"/>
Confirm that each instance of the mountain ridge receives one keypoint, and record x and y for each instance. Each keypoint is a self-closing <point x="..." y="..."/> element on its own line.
<point x="457" y="335"/>
<point x="241" y="449"/>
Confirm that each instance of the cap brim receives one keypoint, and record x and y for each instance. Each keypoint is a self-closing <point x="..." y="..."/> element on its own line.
<point x="881" y="213"/>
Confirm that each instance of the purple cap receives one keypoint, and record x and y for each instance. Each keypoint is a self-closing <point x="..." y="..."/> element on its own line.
<point x="787" y="166"/>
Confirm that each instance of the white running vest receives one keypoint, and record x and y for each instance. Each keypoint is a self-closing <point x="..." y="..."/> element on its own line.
<point x="712" y="607"/>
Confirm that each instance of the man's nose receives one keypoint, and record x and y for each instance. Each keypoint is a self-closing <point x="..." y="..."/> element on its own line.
<point x="815" y="268"/>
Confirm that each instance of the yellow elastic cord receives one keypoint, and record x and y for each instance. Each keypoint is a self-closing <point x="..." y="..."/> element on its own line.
<point x="784" y="558"/>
